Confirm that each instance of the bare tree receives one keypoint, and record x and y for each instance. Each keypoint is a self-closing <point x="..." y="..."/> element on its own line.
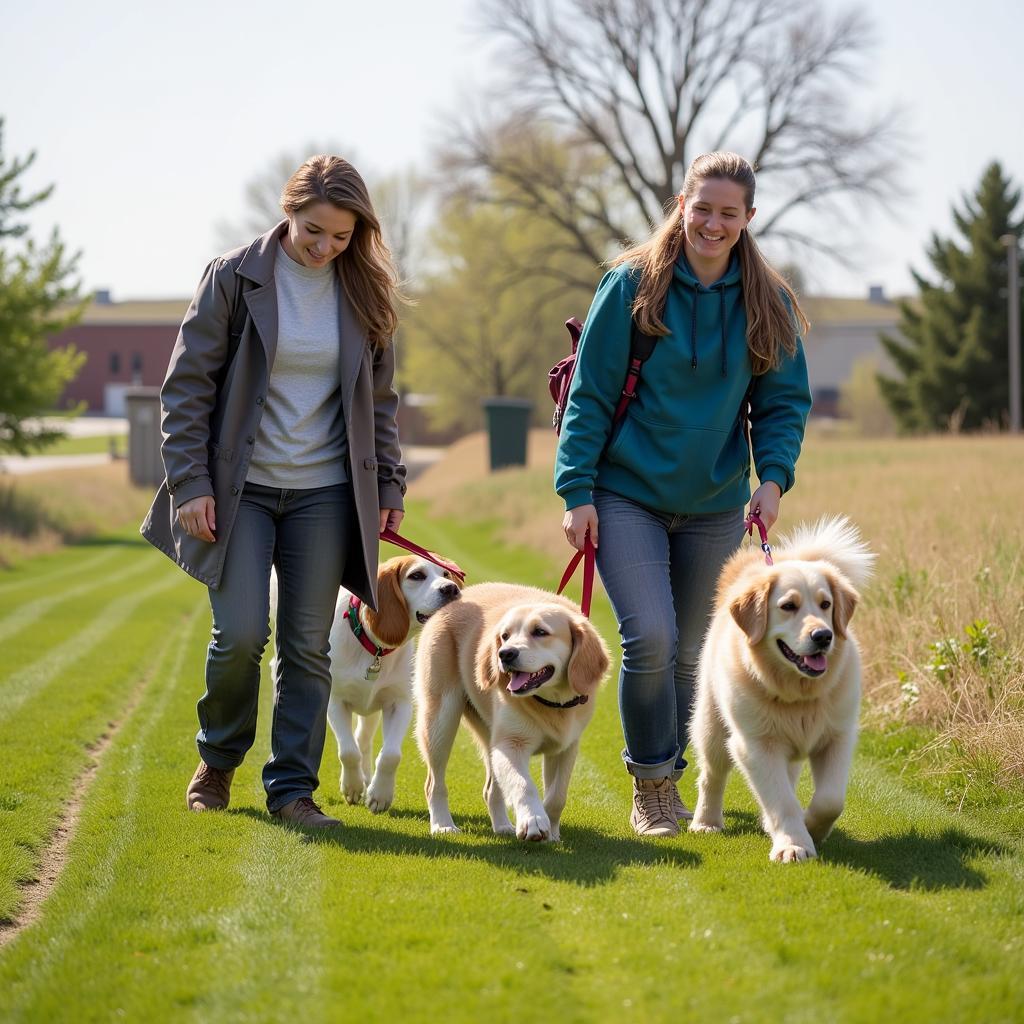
<point x="642" y="86"/>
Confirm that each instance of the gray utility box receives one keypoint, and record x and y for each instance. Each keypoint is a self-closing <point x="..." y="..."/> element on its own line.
<point x="145" y="467"/>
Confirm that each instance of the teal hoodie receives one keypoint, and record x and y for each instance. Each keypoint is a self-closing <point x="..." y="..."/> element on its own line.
<point x="681" y="447"/>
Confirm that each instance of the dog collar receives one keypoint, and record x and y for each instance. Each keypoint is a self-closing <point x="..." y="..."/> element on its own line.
<point x="352" y="614"/>
<point x="581" y="699"/>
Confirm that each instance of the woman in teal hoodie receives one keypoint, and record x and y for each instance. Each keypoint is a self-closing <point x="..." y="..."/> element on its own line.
<point x="662" y="493"/>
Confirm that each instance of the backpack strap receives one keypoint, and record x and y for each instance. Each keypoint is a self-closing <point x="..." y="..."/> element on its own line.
<point x="640" y="348"/>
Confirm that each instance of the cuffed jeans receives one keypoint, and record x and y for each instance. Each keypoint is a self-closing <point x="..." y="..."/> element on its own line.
<point x="305" y="534"/>
<point x="660" y="572"/>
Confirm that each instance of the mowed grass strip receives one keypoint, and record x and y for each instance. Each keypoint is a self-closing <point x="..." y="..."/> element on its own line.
<point x="66" y="677"/>
<point x="912" y="912"/>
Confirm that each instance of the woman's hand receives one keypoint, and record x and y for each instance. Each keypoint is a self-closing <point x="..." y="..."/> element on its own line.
<point x="390" y="518"/>
<point x="767" y="498"/>
<point x="576" y="523"/>
<point x="198" y="519"/>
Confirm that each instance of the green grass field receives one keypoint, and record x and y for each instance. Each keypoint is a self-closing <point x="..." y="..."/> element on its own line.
<point x="914" y="911"/>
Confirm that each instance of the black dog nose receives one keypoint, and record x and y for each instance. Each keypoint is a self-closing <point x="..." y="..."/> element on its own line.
<point x="822" y="637"/>
<point x="449" y="591"/>
<point x="508" y="655"/>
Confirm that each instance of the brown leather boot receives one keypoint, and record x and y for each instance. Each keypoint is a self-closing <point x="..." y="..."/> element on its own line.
<point x="653" y="810"/>
<point x="210" y="788"/>
<point x="304" y="813"/>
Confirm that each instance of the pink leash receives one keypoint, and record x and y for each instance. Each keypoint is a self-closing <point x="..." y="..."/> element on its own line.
<point x="588" y="556"/>
<point x="399" y="541"/>
<point x="750" y="522"/>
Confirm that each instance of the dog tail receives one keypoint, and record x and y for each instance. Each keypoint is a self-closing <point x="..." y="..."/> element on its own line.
<point x="831" y="539"/>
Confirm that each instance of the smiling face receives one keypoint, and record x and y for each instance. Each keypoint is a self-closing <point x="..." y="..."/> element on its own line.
<point x="534" y="647"/>
<point x="795" y="614"/>
<point x="318" y="233"/>
<point x="713" y="218"/>
<point x="426" y="587"/>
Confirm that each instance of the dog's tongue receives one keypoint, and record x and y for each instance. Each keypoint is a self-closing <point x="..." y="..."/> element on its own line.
<point x="518" y="681"/>
<point x="816" y="662"/>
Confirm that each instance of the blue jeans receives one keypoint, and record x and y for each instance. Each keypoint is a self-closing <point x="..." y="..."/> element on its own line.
<point x="305" y="534"/>
<point x="660" y="572"/>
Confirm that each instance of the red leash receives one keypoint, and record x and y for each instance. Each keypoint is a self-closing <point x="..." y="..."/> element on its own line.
<point x="588" y="556"/>
<point x="399" y="541"/>
<point x="750" y="522"/>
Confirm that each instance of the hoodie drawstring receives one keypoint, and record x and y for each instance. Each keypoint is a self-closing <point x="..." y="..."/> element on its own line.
<point x="721" y="324"/>
<point x="725" y="362"/>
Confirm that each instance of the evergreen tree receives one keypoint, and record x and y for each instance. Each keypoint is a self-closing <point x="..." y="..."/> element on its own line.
<point x="38" y="299"/>
<point x="954" y="361"/>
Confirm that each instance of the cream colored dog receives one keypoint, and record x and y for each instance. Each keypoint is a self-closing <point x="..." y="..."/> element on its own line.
<point x="520" y="665"/>
<point x="779" y="682"/>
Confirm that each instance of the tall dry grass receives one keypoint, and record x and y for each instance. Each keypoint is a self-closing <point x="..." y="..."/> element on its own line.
<point x="41" y="511"/>
<point x="942" y="623"/>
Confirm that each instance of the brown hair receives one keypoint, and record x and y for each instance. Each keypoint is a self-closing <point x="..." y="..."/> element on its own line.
<point x="770" y="324"/>
<point x="366" y="269"/>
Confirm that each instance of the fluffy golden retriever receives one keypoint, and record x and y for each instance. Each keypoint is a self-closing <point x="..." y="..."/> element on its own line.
<point x="779" y="682"/>
<point x="520" y="666"/>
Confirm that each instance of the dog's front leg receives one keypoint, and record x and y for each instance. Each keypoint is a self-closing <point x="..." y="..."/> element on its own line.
<point x="557" y="772"/>
<point x="381" y="792"/>
<point x="830" y="768"/>
<point x="339" y="715"/>
<point x="767" y="773"/>
<point x="511" y="760"/>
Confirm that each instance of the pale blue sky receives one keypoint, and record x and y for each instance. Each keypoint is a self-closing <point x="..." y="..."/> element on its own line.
<point x="151" y="117"/>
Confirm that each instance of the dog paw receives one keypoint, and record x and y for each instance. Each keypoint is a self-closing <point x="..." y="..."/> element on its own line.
<point x="705" y="826"/>
<point x="444" y="830"/>
<point x="379" y="796"/>
<point x="353" y="788"/>
<point x="507" y="829"/>
<point x="534" y="828"/>
<point x="790" y="853"/>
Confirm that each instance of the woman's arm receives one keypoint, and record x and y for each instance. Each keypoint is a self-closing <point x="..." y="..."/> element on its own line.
<point x="779" y="404"/>
<point x="601" y="362"/>
<point x="391" y="470"/>
<point x="190" y="388"/>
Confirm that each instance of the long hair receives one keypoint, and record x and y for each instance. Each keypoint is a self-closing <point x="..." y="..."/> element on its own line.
<point x="366" y="269"/>
<point x="771" y="324"/>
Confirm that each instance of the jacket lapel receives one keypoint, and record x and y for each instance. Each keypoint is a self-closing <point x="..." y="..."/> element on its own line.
<point x="258" y="266"/>
<point x="353" y="345"/>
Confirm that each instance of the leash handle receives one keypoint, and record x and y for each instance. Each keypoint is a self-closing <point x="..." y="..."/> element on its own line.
<point x="587" y="556"/>
<point x="399" y="541"/>
<point x="752" y="520"/>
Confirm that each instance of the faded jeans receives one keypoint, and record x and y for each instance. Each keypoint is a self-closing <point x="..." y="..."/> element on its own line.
<point x="660" y="572"/>
<point x="305" y="534"/>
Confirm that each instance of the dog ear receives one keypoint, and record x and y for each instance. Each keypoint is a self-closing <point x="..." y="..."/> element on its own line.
<point x="589" y="660"/>
<point x="390" y="622"/>
<point x="750" y="609"/>
<point x="844" y="601"/>
<point x="488" y="667"/>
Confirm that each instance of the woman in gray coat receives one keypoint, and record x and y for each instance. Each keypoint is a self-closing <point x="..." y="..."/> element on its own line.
<point x="280" y="449"/>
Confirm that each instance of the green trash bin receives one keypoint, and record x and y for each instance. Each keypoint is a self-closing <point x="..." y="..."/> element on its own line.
<point x="508" y="425"/>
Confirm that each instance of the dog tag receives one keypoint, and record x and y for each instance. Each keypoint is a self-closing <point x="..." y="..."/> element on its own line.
<point x="374" y="670"/>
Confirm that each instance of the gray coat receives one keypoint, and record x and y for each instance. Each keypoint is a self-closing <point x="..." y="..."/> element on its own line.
<point x="213" y="401"/>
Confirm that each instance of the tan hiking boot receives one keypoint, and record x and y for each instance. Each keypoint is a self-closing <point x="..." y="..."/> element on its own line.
<point x="304" y="813"/>
<point x="679" y="809"/>
<point x="653" y="809"/>
<point x="210" y="788"/>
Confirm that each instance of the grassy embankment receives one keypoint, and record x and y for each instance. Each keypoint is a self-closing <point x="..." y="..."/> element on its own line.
<point x="915" y="911"/>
